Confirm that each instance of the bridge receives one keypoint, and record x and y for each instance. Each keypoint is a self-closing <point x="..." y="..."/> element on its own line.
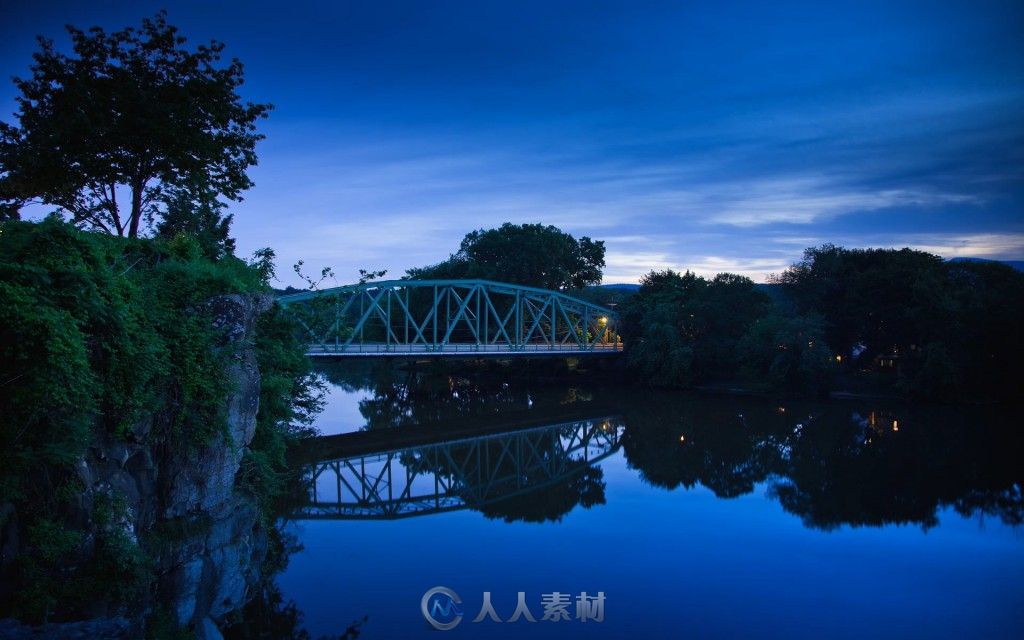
<point x="469" y="472"/>
<point x="452" y="318"/>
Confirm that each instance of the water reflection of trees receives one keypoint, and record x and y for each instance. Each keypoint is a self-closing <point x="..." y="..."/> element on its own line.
<point x="673" y="443"/>
<point x="545" y="487"/>
<point x="830" y="464"/>
<point x="441" y="394"/>
<point x="833" y="464"/>
<point x="585" y="487"/>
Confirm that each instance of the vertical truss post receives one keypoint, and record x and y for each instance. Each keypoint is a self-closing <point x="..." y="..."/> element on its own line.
<point x="387" y="323"/>
<point x="362" y="310"/>
<point x="519" y="323"/>
<point x="586" y="328"/>
<point x="488" y="305"/>
<point x="554" y="322"/>
<point x="479" y="293"/>
<point x="433" y="345"/>
<point x="447" y="313"/>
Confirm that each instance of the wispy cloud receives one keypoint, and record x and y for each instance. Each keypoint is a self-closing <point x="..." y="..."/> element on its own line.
<point x="630" y="267"/>
<point x="806" y="200"/>
<point x="995" y="246"/>
<point x="404" y="209"/>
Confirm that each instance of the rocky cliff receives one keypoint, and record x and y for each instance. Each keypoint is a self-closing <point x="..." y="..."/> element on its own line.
<point x="205" y="540"/>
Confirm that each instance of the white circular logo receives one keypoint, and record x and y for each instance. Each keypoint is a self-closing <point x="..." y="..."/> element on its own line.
<point x="440" y="608"/>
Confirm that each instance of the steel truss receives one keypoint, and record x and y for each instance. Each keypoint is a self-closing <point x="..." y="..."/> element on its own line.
<point x="453" y="475"/>
<point x="451" y="317"/>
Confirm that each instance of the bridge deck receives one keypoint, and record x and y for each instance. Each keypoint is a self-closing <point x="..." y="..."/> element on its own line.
<point x="382" y="350"/>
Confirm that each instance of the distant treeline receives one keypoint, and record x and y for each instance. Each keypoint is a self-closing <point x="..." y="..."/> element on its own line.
<point x="878" y="320"/>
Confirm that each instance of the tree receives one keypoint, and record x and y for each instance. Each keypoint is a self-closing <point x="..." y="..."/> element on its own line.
<point x="883" y="298"/>
<point x="130" y="115"/>
<point x="787" y="353"/>
<point x="726" y="308"/>
<point x="528" y="254"/>
<point x="680" y="328"/>
<point x="195" y="211"/>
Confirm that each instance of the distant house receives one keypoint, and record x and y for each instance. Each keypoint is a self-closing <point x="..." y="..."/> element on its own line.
<point x="888" y="362"/>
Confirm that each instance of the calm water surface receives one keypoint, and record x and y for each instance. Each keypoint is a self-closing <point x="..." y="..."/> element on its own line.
<point x="695" y="517"/>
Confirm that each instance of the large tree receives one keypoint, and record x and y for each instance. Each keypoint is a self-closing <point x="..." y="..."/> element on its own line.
<point x="528" y="254"/>
<point x="885" y="299"/>
<point x="105" y="132"/>
<point x="680" y="328"/>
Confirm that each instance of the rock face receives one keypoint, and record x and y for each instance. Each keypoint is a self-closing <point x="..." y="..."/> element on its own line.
<point x="204" y="480"/>
<point x="206" y="566"/>
<point x="208" y="573"/>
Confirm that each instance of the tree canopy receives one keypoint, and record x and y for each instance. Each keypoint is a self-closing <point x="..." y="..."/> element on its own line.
<point x="681" y="328"/>
<point x="952" y="326"/>
<point x="882" y="320"/>
<point x="882" y="298"/>
<point x="104" y="133"/>
<point x="528" y="254"/>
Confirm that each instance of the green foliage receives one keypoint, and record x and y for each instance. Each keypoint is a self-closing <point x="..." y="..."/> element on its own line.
<point x="881" y="298"/>
<point x="952" y="326"/>
<point x="97" y="335"/>
<point x="984" y="341"/>
<point x="529" y="254"/>
<point x="194" y="211"/>
<point x="128" y="115"/>
<point x="949" y="327"/>
<point x="37" y="575"/>
<point x="788" y="354"/>
<point x="263" y="264"/>
<point x="659" y="351"/>
<point x="46" y="386"/>
<point x="291" y="395"/>
<point x="681" y="329"/>
<point x="63" y="572"/>
<point x="118" y="568"/>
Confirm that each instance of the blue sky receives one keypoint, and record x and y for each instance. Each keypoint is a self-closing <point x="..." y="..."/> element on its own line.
<point x="707" y="136"/>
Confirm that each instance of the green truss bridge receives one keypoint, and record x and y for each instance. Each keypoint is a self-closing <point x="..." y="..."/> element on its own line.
<point x="451" y="318"/>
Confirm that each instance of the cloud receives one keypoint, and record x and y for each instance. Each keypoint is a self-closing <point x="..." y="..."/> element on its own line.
<point x="630" y="267"/>
<point x="806" y="200"/>
<point x="994" y="246"/>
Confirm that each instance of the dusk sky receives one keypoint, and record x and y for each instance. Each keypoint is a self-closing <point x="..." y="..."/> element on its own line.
<point x="705" y="136"/>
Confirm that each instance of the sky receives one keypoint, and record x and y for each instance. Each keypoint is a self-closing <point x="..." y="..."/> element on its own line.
<point x="711" y="136"/>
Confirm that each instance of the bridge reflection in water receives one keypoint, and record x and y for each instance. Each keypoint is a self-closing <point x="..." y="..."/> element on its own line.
<point x="463" y="473"/>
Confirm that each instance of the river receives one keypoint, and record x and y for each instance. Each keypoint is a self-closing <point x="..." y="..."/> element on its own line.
<point x="627" y="512"/>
